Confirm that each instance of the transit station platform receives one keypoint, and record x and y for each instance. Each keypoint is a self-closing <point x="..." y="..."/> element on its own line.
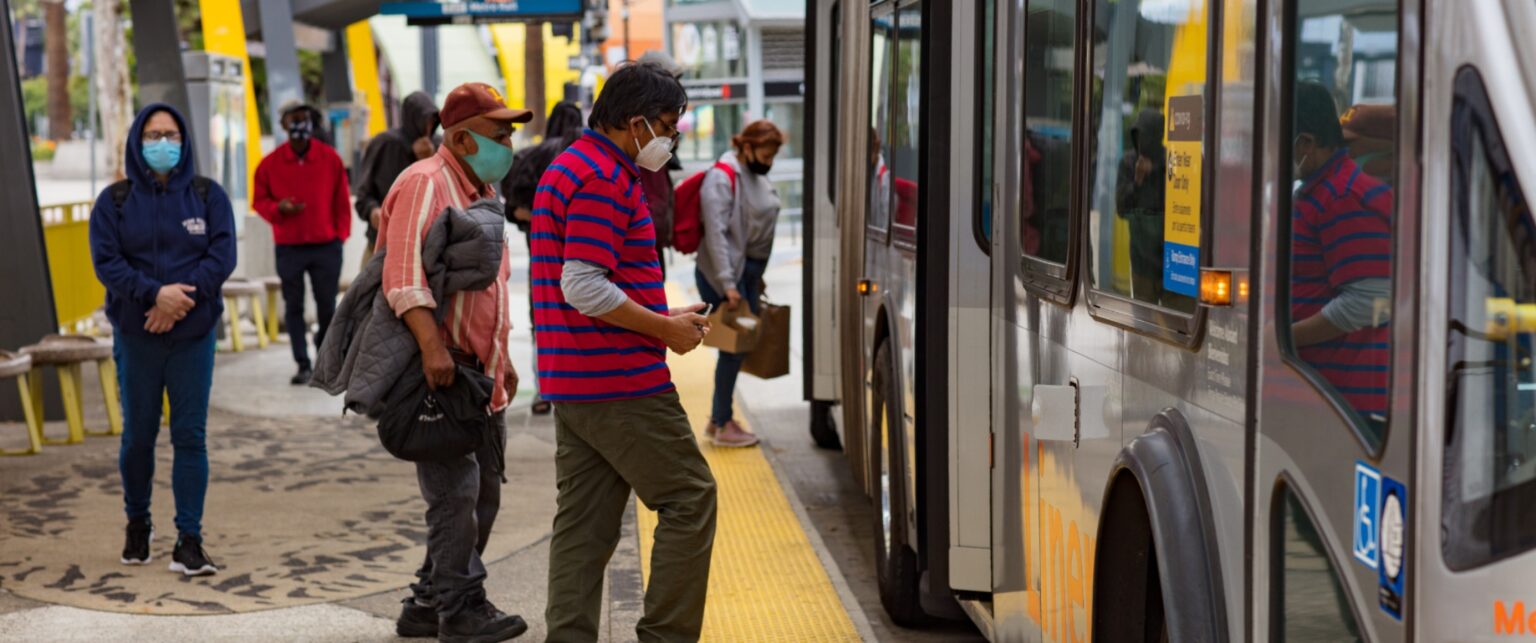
<point x="318" y="530"/>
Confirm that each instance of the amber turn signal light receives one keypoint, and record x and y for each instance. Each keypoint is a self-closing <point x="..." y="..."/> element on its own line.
<point x="1216" y="287"/>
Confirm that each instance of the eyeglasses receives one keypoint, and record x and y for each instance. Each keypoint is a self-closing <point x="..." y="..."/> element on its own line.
<point x="154" y="136"/>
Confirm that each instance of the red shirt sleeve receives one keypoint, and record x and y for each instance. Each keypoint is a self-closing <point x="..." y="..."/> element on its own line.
<point x="341" y="209"/>
<point x="262" y="200"/>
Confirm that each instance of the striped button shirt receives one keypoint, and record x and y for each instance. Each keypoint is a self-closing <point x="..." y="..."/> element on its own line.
<point x="1342" y="231"/>
<point x="590" y="207"/>
<point x="477" y="322"/>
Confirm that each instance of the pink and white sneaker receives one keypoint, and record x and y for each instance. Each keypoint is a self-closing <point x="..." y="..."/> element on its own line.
<point x="730" y="436"/>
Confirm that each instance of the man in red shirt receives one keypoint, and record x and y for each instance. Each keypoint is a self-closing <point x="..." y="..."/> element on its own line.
<point x="301" y="189"/>
<point x="1341" y="260"/>
<point x="603" y="328"/>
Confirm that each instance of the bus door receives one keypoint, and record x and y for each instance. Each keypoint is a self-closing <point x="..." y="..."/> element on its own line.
<point x="1474" y="536"/>
<point x="1333" y="438"/>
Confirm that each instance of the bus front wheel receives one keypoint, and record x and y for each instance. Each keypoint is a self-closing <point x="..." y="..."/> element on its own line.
<point x="895" y="560"/>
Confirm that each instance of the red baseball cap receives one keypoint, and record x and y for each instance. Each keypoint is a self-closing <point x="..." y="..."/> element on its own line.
<point x="1369" y="121"/>
<point x="478" y="99"/>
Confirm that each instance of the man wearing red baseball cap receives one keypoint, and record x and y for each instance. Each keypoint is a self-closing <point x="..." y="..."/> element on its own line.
<point x="463" y="495"/>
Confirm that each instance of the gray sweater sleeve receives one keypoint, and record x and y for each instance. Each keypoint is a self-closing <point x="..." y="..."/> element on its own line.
<point x="1355" y="307"/>
<point x="587" y="287"/>
<point x="717" y="203"/>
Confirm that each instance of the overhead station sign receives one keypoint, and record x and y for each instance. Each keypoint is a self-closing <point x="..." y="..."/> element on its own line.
<point x="481" y="11"/>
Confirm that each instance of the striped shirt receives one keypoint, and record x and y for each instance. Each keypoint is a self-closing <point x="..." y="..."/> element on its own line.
<point x="477" y="322"/>
<point x="1341" y="230"/>
<point x="590" y="207"/>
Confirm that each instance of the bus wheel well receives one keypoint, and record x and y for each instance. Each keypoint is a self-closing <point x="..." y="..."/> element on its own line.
<point x="1156" y="533"/>
<point x="1126" y="564"/>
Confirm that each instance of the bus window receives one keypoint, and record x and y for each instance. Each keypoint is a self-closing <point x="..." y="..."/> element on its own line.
<point x="1343" y="123"/>
<point x="1490" y="443"/>
<point x="1050" y="43"/>
<point x="1147" y="120"/>
<point x="834" y="101"/>
<point x="882" y="33"/>
<point x="985" y="128"/>
<point x="1307" y="602"/>
<point x="906" y="114"/>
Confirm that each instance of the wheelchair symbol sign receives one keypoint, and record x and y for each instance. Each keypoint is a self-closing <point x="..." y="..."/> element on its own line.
<point x="1367" y="514"/>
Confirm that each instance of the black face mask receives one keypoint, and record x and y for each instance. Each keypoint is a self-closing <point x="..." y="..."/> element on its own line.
<point x="758" y="167"/>
<point x="300" y="132"/>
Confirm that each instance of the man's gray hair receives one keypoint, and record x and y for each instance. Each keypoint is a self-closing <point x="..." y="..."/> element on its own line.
<point x="661" y="59"/>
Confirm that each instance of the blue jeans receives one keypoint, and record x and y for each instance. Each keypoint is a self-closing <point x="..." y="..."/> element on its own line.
<point x="183" y="369"/>
<point x="729" y="365"/>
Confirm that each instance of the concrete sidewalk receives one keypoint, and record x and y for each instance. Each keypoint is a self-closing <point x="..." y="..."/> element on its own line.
<point x="318" y="530"/>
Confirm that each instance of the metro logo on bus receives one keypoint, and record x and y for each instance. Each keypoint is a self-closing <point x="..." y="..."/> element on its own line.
<point x="1513" y="620"/>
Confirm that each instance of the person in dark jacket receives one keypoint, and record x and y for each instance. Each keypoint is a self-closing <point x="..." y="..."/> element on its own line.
<point x="1139" y="197"/>
<point x="301" y="189"/>
<point x="163" y="248"/>
<point x="388" y="154"/>
<point x="562" y="128"/>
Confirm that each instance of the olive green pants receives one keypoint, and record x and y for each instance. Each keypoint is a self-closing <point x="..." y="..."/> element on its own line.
<point x="603" y="450"/>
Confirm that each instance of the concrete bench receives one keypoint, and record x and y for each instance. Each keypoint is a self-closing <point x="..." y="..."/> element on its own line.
<point x="252" y="292"/>
<point x="19" y="368"/>
<point x="65" y="353"/>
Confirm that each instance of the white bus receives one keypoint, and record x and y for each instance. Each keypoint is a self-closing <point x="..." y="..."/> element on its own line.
<point x="1191" y="320"/>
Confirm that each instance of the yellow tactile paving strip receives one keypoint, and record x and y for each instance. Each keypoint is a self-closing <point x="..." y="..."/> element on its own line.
<point x="766" y="582"/>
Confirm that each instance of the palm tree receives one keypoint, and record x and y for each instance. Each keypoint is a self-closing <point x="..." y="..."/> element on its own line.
<point x="114" y="98"/>
<point x="533" y="75"/>
<point x="56" y="62"/>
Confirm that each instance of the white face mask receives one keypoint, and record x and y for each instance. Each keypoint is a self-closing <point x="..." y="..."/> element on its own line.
<point x="656" y="153"/>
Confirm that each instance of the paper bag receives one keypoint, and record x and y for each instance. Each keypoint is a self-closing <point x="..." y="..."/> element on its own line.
<point x="733" y="331"/>
<point x="770" y="358"/>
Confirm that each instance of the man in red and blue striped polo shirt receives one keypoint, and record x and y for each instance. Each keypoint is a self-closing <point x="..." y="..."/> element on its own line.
<point x="603" y="329"/>
<point x="1341" y="260"/>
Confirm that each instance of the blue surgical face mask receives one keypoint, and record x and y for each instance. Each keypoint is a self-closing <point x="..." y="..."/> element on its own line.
<point x="162" y="155"/>
<point x="492" y="161"/>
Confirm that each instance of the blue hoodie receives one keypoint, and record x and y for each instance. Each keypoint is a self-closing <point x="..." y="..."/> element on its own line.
<point x="162" y="234"/>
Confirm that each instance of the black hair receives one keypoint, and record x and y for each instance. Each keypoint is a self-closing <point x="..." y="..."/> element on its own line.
<point x="1316" y="114"/>
<point x="564" y="124"/>
<point x="637" y="89"/>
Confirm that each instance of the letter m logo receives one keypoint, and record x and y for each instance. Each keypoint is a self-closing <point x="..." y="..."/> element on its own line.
<point x="1511" y="621"/>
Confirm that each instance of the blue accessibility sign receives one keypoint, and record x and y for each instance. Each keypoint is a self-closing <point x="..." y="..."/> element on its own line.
<point x="1367" y="514"/>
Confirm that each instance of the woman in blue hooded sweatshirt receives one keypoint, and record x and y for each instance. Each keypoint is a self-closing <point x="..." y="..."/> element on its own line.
<point x="163" y="242"/>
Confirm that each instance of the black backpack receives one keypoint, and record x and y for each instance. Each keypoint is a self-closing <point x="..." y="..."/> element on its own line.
<point x="120" y="190"/>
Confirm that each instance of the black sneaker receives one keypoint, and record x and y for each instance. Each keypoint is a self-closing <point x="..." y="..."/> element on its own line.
<point x="136" y="549"/>
<point x="302" y="377"/>
<point x="481" y="624"/>
<point x="416" y="620"/>
<point x="190" y="559"/>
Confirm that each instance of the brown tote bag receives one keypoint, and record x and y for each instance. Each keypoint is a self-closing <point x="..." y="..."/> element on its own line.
<point x="770" y="358"/>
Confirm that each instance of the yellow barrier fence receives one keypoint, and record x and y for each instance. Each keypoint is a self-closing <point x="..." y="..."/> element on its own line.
<point x="76" y="292"/>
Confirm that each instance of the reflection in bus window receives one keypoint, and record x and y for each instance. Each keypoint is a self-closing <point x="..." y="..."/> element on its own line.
<point x="1050" y="43"/>
<point x="906" y="111"/>
<point x="1490" y="454"/>
<point x="1340" y="283"/>
<point x="985" y="130"/>
<point x="882" y="31"/>
<point x="1311" y="606"/>
<point x="1152" y="57"/>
